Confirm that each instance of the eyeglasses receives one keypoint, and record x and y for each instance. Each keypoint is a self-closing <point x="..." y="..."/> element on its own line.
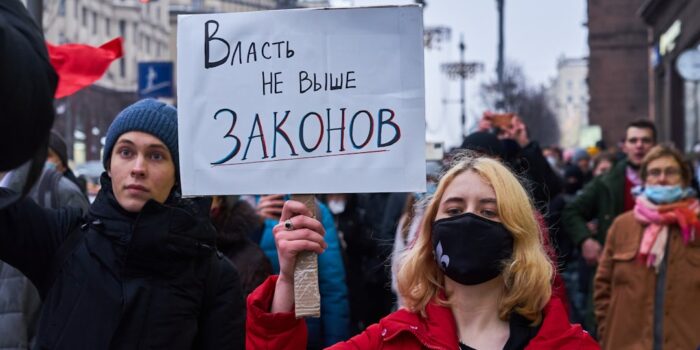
<point x="669" y="172"/>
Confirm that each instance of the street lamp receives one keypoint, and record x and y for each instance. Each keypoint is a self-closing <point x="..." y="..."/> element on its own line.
<point x="462" y="70"/>
<point x="501" y="43"/>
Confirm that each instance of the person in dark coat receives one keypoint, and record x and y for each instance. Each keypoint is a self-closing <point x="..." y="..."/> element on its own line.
<point x="27" y="85"/>
<point x="140" y="270"/>
<point x="523" y="155"/>
<point x="58" y="158"/>
<point x="235" y="220"/>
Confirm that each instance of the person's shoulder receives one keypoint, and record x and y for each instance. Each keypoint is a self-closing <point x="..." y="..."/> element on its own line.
<point x="557" y="333"/>
<point x="625" y="222"/>
<point x="626" y="218"/>
<point x="65" y="184"/>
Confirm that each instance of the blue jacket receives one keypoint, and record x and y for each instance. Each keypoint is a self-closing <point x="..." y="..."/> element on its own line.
<point x="333" y="326"/>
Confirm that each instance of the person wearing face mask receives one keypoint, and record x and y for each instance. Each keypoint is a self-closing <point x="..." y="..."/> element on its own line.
<point x="648" y="279"/>
<point x="140" y="269"/>
<point x="477" y="276"/>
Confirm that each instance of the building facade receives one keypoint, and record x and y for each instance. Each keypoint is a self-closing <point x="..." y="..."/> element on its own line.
<point x="83" y="118"/>
<point x="674" y="27"/>
<point x="148" y="30"/>
<point x="618" y="77"/>
<point x="568" y="98"/>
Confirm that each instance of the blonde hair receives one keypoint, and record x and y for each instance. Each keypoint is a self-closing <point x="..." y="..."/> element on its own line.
<point x="527" y="274"/>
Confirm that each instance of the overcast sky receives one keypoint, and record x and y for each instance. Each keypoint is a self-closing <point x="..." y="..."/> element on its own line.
<point x="537" y="33"/>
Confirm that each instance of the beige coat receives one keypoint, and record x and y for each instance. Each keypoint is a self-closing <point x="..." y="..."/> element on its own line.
<point x="624" y="291"/>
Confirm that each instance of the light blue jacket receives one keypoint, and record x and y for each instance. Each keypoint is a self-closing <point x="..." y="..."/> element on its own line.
<point x="334" y="324"/>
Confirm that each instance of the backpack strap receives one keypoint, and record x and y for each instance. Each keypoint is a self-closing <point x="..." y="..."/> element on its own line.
<point x="64" y="251"/>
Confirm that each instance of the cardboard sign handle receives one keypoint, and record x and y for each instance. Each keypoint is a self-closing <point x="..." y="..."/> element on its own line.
<point x="307" y="298"/>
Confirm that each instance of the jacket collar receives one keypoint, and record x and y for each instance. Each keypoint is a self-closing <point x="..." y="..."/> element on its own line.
<point x="179" y="227"/>
<point x="557" y="333"/>
<point x="437" y="331"/>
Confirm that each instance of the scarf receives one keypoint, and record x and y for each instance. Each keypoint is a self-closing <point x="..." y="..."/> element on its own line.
<point x="657" y="219"/>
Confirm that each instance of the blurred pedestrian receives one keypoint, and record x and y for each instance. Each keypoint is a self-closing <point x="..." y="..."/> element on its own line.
<point x="523" y="155"/>
<point x="555" y="158"/>
<point x="334" y="323"/>
<point x="235" y="221"/>
<point x="58" y="158"/>
<point x="140" y="269"/>
<point x="488" y="289"/>
<point x="602" y="200"/>
<point x="648" y="281"/>
<point x="602" y="163"/>
<point x="27" y="86"/>
<point x="582" y="160"/>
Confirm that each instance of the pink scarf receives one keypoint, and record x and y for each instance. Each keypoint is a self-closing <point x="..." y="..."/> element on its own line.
<point x="657" y="219"/>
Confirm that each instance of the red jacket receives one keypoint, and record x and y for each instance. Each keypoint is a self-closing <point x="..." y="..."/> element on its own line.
<point x="402" y="329"/>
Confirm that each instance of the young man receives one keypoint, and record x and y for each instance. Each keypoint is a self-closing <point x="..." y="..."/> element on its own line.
<point x="604" y="198"/>
<point x="140" y="270"/>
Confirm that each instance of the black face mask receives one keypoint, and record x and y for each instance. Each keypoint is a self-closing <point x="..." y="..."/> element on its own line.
<point x="470" y="249"/>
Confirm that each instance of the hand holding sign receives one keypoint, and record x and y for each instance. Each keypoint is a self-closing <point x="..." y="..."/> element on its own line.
<point x="296" y="233"/>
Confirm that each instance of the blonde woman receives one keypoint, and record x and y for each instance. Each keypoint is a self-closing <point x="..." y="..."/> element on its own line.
<point x="476" y="278"/>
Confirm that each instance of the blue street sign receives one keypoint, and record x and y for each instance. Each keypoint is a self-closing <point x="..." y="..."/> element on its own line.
<point x="155" y="79"/>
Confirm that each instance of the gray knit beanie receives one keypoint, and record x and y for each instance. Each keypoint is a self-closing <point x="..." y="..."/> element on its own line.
<point x="149" y="116"/>
<point x="580" y="154"/>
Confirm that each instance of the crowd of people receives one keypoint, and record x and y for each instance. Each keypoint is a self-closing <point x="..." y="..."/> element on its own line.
<point x="512" y="246"/>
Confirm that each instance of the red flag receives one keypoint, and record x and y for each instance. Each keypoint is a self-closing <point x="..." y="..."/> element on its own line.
<point x="80" y="65"/>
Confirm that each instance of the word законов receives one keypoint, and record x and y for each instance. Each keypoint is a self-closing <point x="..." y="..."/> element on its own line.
<point x="384" y="119"/>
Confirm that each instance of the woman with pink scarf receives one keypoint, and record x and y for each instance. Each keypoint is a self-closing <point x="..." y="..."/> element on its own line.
<point x="647" y="287"/>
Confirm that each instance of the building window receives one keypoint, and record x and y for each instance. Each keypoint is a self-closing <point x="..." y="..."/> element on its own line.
<point x="108" y="24"/>
<point x="122" y="67"/>
<point x="62" y="8"/>
<point x="94" y="22"/>
<point x="75" y="9"/>
<point x="148" y="44"/>
<point x="136" y="37"/>
<point x="122" y="29"/>
<point x="85" y="14"/>
<point x="158" y="50"/>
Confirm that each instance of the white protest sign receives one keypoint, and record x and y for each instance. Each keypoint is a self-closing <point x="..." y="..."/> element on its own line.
<point x="301" y="101"/>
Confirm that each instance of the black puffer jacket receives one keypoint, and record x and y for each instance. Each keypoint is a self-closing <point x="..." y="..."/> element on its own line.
<point x="132" y="281"/>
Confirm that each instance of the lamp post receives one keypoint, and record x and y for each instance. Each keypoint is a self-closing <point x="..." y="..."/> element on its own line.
<point x="462" y="70"/>
<point x="500" y="103"/>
